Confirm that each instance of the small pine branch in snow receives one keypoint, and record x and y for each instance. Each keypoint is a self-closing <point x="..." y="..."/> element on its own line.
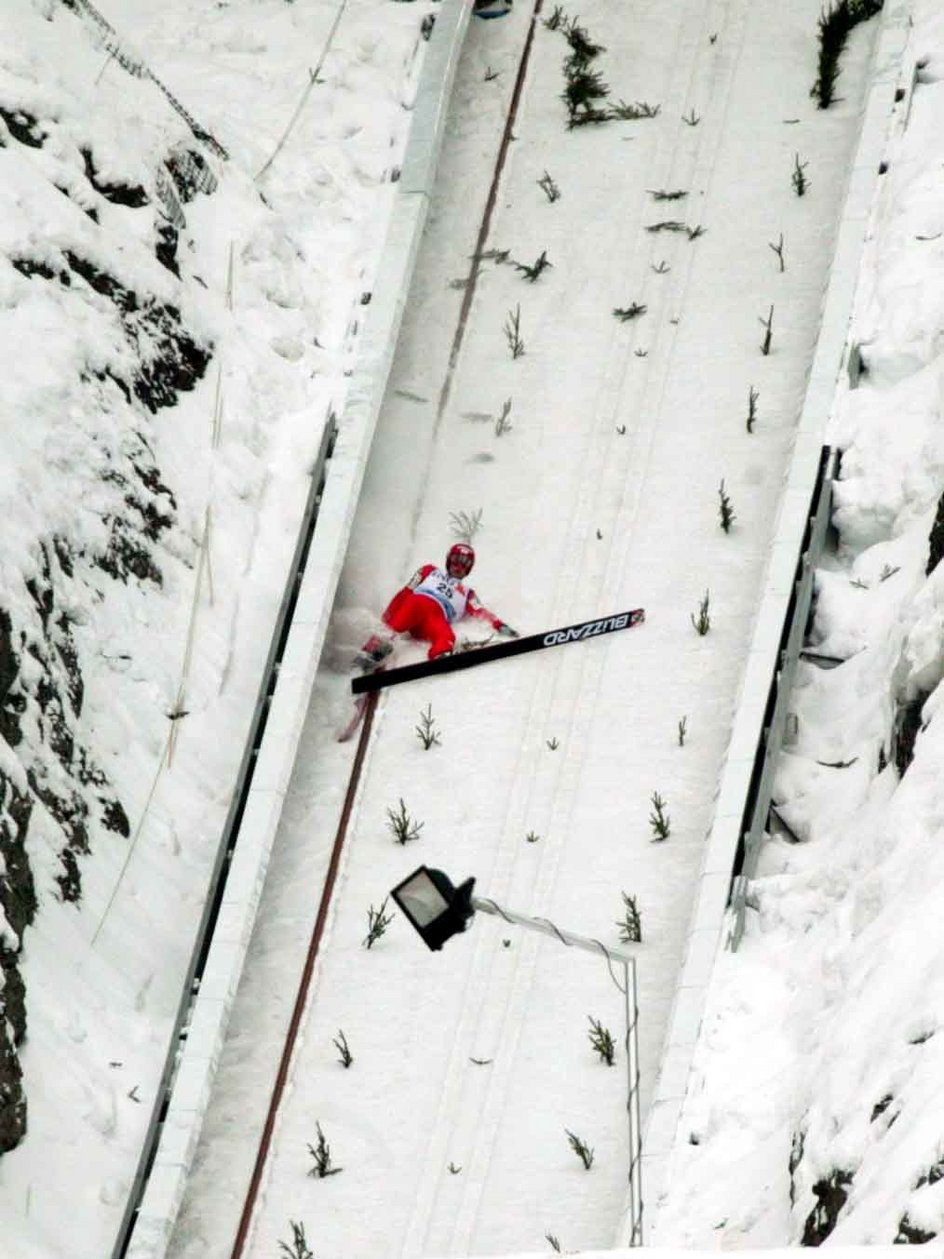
<point x="630" y="925"/>
<point x="702" y="622"/>
<point x="553" y="23"/>
<point x="660" y="194"/>
<point x="464" y="524"/>
<point x="580" y="1148"/>
<point x="835" y="25"/>
<point x="752" y="396"/>
<point x="667" y="225"/>
<point x="512" y="330"/>
<point x="298" y="1247"/>
<point x="549" y="188"/>
<point x="682" y="731"/>
<point x="622" y="112"/>
<point x="691" y="119"/>
<point x="345" y="1057"/>
<point x="534" y="270"/>
<point x="582" y="89"/>
<point x="532" y="837"/>
<point x="601" y="1041"/>
<point x="633" y="311"/>
<point x="768" y="326"/>
<point x="502" y="424"/>
<point x="662" y="269"/>
<point x="695" y="232"/>
<point x="582" y="48"/>
<point x="798" y="179"/>
<point x="778" y="250"/>
<point x="378" y="920"/>
<point x="426" y="731"/>
<point x="454" y="1170"/>
<point x="490" y="75"/>
<point x="553" y="744"/>
<point x="321" y="1154"/>
<point x="403" y="827"/>
<point x="659" y="820"/>
<point x="726" y="513"/>
<point x="553" y="1243"/>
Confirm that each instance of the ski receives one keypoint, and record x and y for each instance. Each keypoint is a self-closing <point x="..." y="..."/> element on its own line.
<point x="498" y="651"/>
<point x="360" y="707"/>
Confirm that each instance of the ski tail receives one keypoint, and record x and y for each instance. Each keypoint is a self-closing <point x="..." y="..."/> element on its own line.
<point x="360" y="708"/>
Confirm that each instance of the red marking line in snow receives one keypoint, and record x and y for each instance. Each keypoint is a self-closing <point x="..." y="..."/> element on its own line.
<point x="486" y="223"/>
<point x="301" y="998"/>
<point x="265" y="1140"/>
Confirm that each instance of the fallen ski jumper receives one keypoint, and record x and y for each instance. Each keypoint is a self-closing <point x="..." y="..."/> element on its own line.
<point x="428" y="606"/>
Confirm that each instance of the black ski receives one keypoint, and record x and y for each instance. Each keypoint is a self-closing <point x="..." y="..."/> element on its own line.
<point x="498" y="651"/>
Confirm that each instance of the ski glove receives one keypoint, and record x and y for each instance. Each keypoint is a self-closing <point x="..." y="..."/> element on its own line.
<point x="505" y="631"/>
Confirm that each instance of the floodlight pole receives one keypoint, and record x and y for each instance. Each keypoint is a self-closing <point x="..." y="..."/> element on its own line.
<point x="631" y="1014"/>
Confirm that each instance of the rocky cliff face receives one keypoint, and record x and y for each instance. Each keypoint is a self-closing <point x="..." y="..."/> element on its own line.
<point x="138" y="362"/>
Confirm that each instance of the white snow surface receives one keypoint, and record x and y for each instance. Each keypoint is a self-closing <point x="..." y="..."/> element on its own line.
<point x="272" y="273"/>
<point x="832" y="1003"/>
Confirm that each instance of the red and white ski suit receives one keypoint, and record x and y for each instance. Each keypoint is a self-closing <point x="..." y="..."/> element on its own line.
<point x="428" y="606"/>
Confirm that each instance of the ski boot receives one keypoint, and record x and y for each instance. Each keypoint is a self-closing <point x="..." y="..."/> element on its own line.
<point x="372" y="655"/>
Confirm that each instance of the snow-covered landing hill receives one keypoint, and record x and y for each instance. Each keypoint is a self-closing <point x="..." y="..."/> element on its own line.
<point x="817" y="1110"/>
<point x="175" y="332"/>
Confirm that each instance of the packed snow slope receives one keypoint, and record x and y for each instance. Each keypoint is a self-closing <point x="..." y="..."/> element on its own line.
<point x="175" y="332"/>
<point x="628" y="416"/>
<point x="816" y="1112"/>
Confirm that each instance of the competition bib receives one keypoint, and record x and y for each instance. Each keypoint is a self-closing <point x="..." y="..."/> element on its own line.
<point x="448" y="592"/>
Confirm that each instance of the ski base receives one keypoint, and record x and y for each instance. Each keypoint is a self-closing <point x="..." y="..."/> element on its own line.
<point x="498" y="651"/>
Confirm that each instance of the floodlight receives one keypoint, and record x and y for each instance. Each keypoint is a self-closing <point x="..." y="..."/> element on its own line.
<point x="435" y="908"/>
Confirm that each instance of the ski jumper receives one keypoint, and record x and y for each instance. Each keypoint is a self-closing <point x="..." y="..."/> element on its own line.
<point x="428" y="606"/>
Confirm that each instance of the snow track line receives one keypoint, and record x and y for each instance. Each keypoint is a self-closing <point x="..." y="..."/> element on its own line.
<point x="468" y="295"/>
<point x="304" y="985"/>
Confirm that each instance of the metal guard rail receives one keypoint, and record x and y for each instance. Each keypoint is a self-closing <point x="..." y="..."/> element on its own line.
<point x="758" y="801"/>
<point x="216" y="885"/>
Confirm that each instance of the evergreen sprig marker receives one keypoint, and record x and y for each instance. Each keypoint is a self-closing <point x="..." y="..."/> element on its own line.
<point x="601" y="1041"/>
<point x="512" y="331"/>
<point x="768" y="326"/>
<point x="798" y="179"/>
<point x="580" y="1148"/>
<point x="702" y="622"/>
<point x="298" y="1248"/>
<point x="378" y="920"/>
<point x="725" y="510"/>
<point x="630" y="925"/>
<point x="659" y="820"/>
<point x="752" y="397"/>
<point x="321" y="1154"/>
<point x="403" y="827"/>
